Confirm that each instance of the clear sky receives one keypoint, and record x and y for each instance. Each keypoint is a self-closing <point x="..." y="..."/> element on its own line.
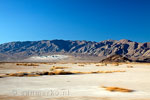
<point x="95" y="20"/>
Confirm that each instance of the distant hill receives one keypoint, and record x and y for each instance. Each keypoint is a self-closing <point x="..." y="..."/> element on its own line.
<point x="13" y="51"/>
<point x="116" y="58"/>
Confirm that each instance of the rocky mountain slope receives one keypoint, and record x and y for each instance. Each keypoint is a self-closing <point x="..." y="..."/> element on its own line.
<point x="116" y="58"/>
<point x="103" y="49"/>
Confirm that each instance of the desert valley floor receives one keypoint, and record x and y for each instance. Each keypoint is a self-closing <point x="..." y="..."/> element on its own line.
<point x="86" y="81"/>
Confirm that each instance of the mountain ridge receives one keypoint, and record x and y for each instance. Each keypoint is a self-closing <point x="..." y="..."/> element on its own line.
<point x="73" y="40"/>
<point x="25" y="49"/>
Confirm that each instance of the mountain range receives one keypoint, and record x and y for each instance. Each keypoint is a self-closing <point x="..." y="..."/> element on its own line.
<point x="14" y="51"/>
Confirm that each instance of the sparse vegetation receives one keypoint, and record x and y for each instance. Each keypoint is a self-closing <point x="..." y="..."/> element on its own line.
<point x="101" y="64"/>
<point x="27" y="64"/>
<point x="46" y="63"/>
<point x="54" y="72"/>
<point x="116" y="64"/>
<point x="55" y="67"/>
<point x="61" y="72"/>
<point x="61" y="67"/>
<point x="81" y="65"/>
<point x="129" y="66"/>
<point x="52" y="68"/>
<point x="97" y="65"/>
<point x="117" y="89"/>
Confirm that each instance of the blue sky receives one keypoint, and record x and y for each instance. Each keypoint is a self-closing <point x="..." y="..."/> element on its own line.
<point x="94" y="20"/>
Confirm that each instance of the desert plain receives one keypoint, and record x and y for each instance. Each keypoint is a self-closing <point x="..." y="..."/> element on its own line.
<point x="83" y="81"/>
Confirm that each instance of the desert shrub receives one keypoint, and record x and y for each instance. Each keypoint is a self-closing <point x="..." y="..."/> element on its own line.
<point x="101" y="64"/>
<point x="61" y="72"/>
<point x="84" y="72"/>
<point x="81" y="65"/>
<point x="117" y="89"/>
<point x="30" y="75"/>
<point x="46" y="63"/>
<point x="53" y="72"/>
<point x="129" y="66"/>
<point x="55" y="67"/>
<point x="12" y="74"/>
<point x="61" y="67"/>
<point x="26" y="64"/>
<point x="97" y="65"/>
<point x="45" y="73"/>
<point x="116" y="64"/>
<point x="1" y="76"/>
<point x="19" y="74"/>
<point x="92" y="72"/>
<point x="52" y="68"/>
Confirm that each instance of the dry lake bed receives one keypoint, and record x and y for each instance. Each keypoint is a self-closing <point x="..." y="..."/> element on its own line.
<point x="74" y="81"/>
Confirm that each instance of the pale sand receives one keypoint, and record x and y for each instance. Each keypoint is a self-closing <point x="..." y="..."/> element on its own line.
<point x="76" y="87"/>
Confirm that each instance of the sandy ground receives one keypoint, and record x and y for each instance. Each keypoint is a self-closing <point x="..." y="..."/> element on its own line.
<point x="76" y="87"/>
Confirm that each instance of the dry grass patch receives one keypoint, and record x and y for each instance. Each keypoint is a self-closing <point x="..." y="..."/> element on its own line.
<point x="129" y="66"/>
<point x="3" y="76"/>
<point x="110" y="71"/>
<point x="92" y="72"/>
<point x="61" y="72"/>
<point x="52" y="68"/>
<point x="46" y="63"/>
<point x="81" y="65"/>
<point x="22" y="74"/>
<point x="74" y="63"/>
<point x="61" y="67"/>
<point x="101" y="64"/>
<point x="115" y="64"/>
<point x="54" y="72"/>
<point x="32" y="75"/>
<point x="117" y="89"/>
<point x="27" y="64"/>
<point x="26" y="74"/>
<point x="97" y="65"/>
<point x="57" y="67"/>
<point x="78" y="72"/>
<point x="63" y="63"/>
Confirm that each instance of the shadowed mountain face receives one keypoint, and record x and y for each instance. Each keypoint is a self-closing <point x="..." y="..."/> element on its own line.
<point x="103" y="49"/>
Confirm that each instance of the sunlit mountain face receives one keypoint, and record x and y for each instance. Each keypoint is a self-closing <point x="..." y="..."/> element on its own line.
<point x="62" y="49"/>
